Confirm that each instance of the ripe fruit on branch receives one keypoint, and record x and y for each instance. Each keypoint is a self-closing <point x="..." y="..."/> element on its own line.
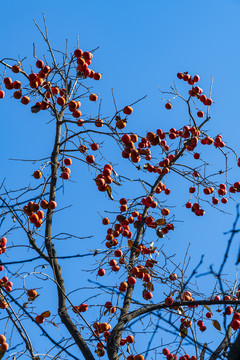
<point x="165" y="212"/>
<point x="123" y="286"/>
<point x="7" y="81"/>
<point x="44" y="204"/>
<point x="76" y="114"/>
<point x="2" y="339"/>
<point x="61" y="101"/>
<point x="101" y="272"/>
<point x="200" y="114"/>
<point x="25" y="100"/>
<point x="78" y="53"/>
<point x="4" y="347"/>
<point x="147" y="295"/>
<point x="37" y="174"/>
<point x="65" y="175"/>
<point x="87" y="55"/>
<point x="168" y="106"/>
<point x="105" y="221"/>
<point x="90" y="159"/>
<point x="130" y="339"/>
<point x="128" y="110"/>
<point x="93" y="97"/>
<point x="32" y="294"/>
<point x="97" y="76"/>
<point x="173" y="277"/>
<point x="138" y="357"/>
<point x="39" y="319"/>
<point x="67" y="162"/>
<point x="83" y="307"/>
<point x="15" y="69"/>
<point x="52" y="205"/>
<point x="99" y="123"/>
<point x="39" y="64"/>
<point x="17" y="95"/>
<point x="118" y="253"/>
<point x="94" y="146"/>
<point x="132" y="280"/>
<point x="169" y="301"/>
<point x="2" y="94"/>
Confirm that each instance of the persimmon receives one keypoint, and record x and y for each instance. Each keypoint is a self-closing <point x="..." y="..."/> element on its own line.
<point x="128" y="110"/>
<point x="87" y="55"/>
<point x="2" y="339"/>
<point x="44" y="204"/>
<point x="97" y="76"/>
<point x="78" y="53"/>
<point x="61" y="101"/>
<point x="16" y="69"/>
<point x="39" y="319"/>
<point x="37" y="174"/>
<point x="138" y="357"/>
<point x="93" y="97"/>
<point x="52" y="205"/>
<point x="17" y="94"/>
<point x="4" y="347"/>
<point x="25" y="100"/>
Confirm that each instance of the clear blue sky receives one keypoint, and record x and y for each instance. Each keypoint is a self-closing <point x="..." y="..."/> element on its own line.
<point x="141" y="48"/>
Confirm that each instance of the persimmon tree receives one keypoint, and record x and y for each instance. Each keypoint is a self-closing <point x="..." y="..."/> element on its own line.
<point x="149" y="287"/>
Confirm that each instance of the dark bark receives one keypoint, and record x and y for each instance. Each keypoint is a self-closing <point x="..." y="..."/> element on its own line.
<point x="234" y="353"/>
<point x="62" y="308"/>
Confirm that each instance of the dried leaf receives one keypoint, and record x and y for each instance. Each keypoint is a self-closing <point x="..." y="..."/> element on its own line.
<point x="216" y="325"/>
<point x="2" y="354"/>
<point x="144" y="271"/>
<point x="150" y="286"/>
<point x="161" y="221"/>
<point x="159" y="233"/>
<point x="130" y="243"/>
<point x="143" y="152"/>
<point x="35" y="109"/>
<point x="208" y="308"/>
<point x="46" y="314"/>
<point x="183" y="331"/>
<point x="54" y="324"/>
<point x="152" y="272"/>
<point x="109" y="192"/>
<point x="116" y="182"/>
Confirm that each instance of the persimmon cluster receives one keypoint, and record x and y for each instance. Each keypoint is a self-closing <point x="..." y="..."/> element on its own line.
<point x="39" y="81"/>
<point x="109" y="306"/>
<point x="41" y="318"/>
<point x="34" y="214"/>
<point x="65" y="169"/>
<point x="81" y="308"/>
<point x="5" y="283"/>
<point x="3" y="344"/>
<point x="170" y="356"/>
<point x="3" y="243"/>
<point x="90" y="159"/>
<point x="104" y="178"/>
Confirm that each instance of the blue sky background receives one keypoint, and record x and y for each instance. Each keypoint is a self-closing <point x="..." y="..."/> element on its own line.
<point x="141" y="48"/>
